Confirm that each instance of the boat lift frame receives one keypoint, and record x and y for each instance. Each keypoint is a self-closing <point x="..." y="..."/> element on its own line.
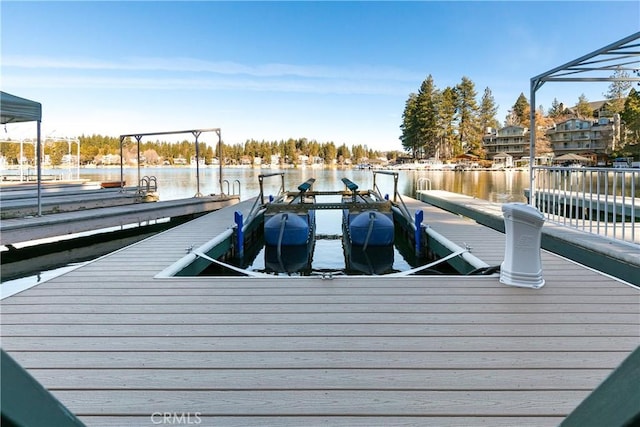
<point x="195" y="132"/>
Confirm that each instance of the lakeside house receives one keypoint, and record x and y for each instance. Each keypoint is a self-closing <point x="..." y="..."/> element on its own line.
<point x="594" y="139"/>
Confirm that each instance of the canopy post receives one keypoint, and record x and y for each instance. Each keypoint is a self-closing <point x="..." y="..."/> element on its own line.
<point x="138" y="138"/>
<point x="219" y="132"/>
<point x="121" y="165"/>
<point x="532" y="142"/>
<point x="39" y="168"/>
<point x="197" y="134"/>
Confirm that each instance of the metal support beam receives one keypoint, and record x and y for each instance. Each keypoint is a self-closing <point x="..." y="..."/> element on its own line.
<point x="622" y="55"/>
<point x="195" y="132"/>
<point x="197" y="135"/>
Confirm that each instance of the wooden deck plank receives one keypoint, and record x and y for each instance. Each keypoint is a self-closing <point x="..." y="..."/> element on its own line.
<point x="322" y="379"/>
<point x="197" y="289"/>
<point x="151" y="360"/>
<point x="323" y="402"/>
<point x="330" y="421"/>
<point x="381" y="308"/>
<point x="513" y="298"/>
<point x="324" y="343"/>
<point x="30" y="318"/>
<point x="322" y="329"/>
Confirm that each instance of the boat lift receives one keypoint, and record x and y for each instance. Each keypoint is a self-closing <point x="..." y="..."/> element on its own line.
<point x="352" y="198"/>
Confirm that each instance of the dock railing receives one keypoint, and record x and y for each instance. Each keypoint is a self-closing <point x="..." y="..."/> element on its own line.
<point x="397" y="197"/>
<point x="603" y="201"/>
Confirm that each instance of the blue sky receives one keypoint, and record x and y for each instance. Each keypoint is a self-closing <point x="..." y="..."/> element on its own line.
<point x="330" y="71"/>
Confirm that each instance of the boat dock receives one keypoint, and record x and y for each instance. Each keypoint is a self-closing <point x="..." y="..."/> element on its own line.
<point x="618" y="258"/>
<point x="117" y="210"/>
<point x="119" y="345"/>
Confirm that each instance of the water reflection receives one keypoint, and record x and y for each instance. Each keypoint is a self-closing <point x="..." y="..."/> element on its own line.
<point x="175" y="183"/>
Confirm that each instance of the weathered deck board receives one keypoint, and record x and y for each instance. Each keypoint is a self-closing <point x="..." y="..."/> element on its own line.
<point x="453" y="307"/>
<point x="317" y="378"/>
<point x="117" y="345"/>
<point x="322" y="329"/>
<point x="315" y="343"/>
<point x="302" y="421"/>
<point x="323" y="318"/>
<point x="323" y="402"/>
<point x="440" y="360"/>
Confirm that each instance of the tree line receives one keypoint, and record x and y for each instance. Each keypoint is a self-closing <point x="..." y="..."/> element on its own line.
<point x="103" y="150"/>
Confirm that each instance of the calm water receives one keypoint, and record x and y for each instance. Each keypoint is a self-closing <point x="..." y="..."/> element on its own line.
<point x="175" y="183"/>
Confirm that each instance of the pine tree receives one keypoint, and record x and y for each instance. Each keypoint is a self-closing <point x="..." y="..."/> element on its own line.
<point x="556" y="109"/>
<point x="427" y="118"/>
<point x="409" y="126"/>
<point x="447" y="123"/>
<point x="488" y="111"/>
<point x="583" y="109"/>
<point x="469" y="131"/>
<point x="631" y="117"/>
<point x="520" y="111"/>
<point x="618" y="90"/>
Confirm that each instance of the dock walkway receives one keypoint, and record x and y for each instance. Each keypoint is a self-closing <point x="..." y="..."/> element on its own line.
<point x="618" y="258"/>
<point x="14" y="230"/>
<point x="120" y="347"/>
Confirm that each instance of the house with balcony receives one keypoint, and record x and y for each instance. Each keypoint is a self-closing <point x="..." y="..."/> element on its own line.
<point x="594" y="139"/>
<point x="509" y="140"/>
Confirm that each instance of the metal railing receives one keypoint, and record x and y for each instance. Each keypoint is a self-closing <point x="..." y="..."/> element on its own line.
<point x="423" y="184"/>
<point x="396" y="195"/>
<point x="232" y="190"/>
<point x="603" y="201"/>
<point x="148" y="184"/>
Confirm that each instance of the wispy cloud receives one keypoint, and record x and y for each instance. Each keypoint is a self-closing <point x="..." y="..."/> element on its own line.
<point x="228" y="68"/>
<point x="313" y="86"/>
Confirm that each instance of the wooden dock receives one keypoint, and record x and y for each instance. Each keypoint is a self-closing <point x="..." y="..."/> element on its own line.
<point x="601" y="252"/>
<point x="24" y="229"/>
<point x="120" y="347"/>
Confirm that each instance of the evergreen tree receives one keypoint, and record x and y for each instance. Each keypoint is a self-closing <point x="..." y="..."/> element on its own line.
<point x="520" y="111"/>
<point x="469" y="130"/>
<point x="556" y="109"/>
<point x="488" y="111"/>
<point x="631" y="117"/>
<point x="447" y="123"/>
<point x="583" y="109"/>
<point x="343" y="153"/>
<point x="427" y="118"/>
<point x="409" y="126"/>
<point x="618" y="90"/>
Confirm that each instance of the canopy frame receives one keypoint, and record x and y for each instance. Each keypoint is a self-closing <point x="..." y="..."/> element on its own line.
<point x="597" y="66"/>
<point x="195" y="132"/>
<point x="14" y="109"/>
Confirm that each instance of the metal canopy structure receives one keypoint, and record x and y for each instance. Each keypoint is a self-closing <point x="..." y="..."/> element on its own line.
<point x="597" y="66"/>
<point x="195" y="132"/>
<point x="14" y="109"/>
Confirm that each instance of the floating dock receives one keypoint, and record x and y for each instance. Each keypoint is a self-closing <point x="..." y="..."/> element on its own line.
<point x="118" y="345"/>
<point x="14" y="230"/>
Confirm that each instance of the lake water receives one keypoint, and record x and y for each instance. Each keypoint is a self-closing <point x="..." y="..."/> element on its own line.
<point x="175" y="183"/>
